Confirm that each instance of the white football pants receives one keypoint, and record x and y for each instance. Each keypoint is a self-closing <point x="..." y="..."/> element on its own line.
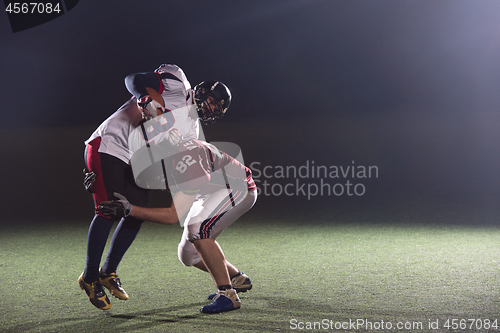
<point x="209" y="217"/>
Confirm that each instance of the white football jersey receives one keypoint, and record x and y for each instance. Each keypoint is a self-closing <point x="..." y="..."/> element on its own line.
<point x="122" y="134"/>
<point x="176" y="91"/>
<point x="158" y="129"/>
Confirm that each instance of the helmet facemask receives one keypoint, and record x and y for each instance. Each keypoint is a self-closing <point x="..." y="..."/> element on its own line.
<point x="212" y="99"/>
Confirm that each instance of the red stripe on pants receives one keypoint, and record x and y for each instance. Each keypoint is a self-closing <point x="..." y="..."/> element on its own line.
<point x="94" y="164"/>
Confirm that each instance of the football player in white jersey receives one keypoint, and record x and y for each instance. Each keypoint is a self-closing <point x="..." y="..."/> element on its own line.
<point x="162" y="100"/>
<point x="214" y="189"/>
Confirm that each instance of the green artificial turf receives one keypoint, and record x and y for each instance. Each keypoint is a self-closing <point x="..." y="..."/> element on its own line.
<point x="321" y="272"/>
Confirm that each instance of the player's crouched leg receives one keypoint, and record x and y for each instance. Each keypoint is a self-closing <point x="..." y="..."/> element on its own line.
<point x="224" y="300"/>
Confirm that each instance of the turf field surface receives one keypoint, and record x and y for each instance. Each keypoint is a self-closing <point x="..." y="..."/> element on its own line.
<point x="304" y="274"/>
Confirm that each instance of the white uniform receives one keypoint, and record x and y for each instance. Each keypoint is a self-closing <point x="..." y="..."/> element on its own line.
<point x="122" y="134"/>
<point x="157" y="129"/>
<point x="225" y="188"/>
<point x="114" y="131"/>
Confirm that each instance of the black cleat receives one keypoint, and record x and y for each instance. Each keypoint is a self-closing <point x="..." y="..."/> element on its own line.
<point x="112" y="282"/>
<point x="96" y="294"/>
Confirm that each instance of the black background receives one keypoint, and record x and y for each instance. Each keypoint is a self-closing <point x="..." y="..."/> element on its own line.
<point x="408" y="86"/>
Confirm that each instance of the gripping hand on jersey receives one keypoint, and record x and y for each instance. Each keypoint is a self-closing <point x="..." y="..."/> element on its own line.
<point x="88" y="180"/>
<point x="152" y="105"/>
<point x="116" y="209"/>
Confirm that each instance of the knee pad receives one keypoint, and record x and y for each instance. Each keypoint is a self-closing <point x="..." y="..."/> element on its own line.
<point x="187" y="253"/>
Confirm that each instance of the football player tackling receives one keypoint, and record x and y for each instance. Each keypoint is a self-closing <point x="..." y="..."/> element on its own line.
<point x="162" y="100"/>
<point x="214" y="190"/>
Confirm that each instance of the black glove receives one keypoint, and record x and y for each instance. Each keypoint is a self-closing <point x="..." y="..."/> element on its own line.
<point x="115" y="209"/>
<point x="88" y="180"/>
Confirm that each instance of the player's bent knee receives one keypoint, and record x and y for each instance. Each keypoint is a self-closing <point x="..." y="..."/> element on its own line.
<point x="187" y="254"/>
<point x="188" y="259"/>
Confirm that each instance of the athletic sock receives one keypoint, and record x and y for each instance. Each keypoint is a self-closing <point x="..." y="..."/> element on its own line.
<point x="96" y="241"/>
<point x="124" y="235"/>
<point x="225" y="287"/>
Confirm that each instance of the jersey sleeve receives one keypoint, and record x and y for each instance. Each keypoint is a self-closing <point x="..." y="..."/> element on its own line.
<point x="136" y="83"/>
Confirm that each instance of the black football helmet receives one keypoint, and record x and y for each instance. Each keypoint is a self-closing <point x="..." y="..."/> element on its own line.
<point x="212" y="99"/>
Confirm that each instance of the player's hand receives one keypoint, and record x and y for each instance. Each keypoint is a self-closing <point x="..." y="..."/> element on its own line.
<point x="152" y="105"/>
<point x="116" y="209"/>
<point x="88" y="180"/>
<point x="174" y="137"/>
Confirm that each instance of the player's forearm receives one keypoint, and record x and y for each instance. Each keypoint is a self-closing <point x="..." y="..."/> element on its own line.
<point x="181" y="204"/>
<point x="157" y="215"/>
